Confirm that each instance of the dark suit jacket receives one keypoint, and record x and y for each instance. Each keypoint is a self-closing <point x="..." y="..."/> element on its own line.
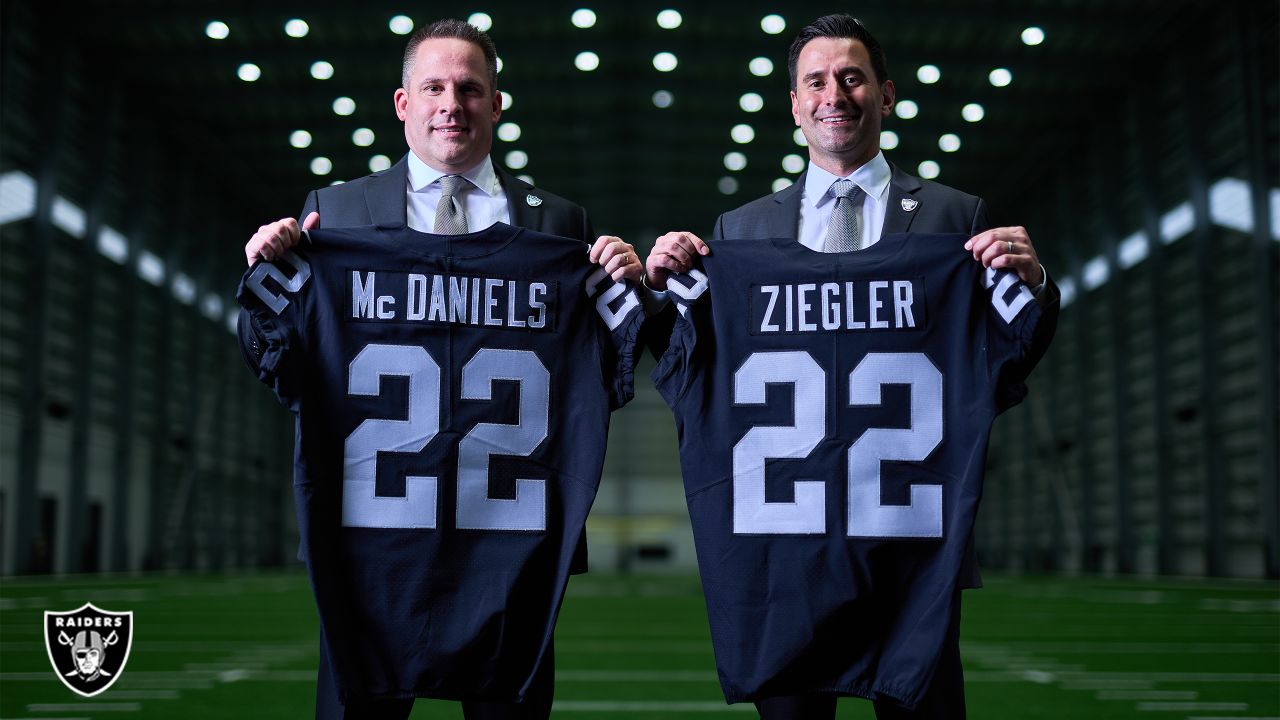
<point x="381" y="199"/>
<point x="938" y="209"/>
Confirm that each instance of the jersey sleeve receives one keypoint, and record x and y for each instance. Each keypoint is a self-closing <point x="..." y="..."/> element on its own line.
<point x="619" y="308"/>
<point x="677" y="366"/>
<point x="272" y="297"/>
<point x="1012" y="315"/>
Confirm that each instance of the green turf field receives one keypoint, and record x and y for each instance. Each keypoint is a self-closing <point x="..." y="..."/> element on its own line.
<point x="638" y="647"/>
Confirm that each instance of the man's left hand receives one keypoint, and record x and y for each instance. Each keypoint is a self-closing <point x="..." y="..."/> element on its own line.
<point x="618" y="258"/>
<point x="1008" y="248"/>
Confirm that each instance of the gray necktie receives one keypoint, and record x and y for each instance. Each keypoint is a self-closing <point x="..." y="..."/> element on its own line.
<point x="451" y="219"/>
<point x="844" y="232"/>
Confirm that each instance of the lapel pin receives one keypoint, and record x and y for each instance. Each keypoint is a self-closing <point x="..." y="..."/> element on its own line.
<point x="910" y="204"/>
<point x="533" y="200"/>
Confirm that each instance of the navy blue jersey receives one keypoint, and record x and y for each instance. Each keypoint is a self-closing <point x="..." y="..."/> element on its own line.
<point x="452" y="396"/>
<point x="833" y="413"/>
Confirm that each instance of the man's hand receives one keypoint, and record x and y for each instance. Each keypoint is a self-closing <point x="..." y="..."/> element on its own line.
<point x="672" y="253"/>
<point x="1008" y="248"/>
<point x="618" y="258"/>
<point x="273" y="239"/>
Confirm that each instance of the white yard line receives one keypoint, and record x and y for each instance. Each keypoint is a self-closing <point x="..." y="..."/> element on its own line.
<point x="1185" y="706"/>
<point x="1147" y="695"/>
<point x="81" y="707"/>
<point x="649" y="706"/>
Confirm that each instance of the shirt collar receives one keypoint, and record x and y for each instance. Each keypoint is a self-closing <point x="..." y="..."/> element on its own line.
<point x="422" y="175"/>
<point x="873" y="177"/>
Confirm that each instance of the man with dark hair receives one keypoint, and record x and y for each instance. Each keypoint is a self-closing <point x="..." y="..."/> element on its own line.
<point x="848" y="198"/>
<point x="446" y="184"/>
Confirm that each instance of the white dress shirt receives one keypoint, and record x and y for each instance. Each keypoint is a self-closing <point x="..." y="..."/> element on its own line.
<point x="483" y="198"/>
<point x="817" y="202"/>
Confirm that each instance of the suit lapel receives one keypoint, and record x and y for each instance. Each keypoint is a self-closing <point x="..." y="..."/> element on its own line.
<point x="386" y="196"/>
<point x="784" y="222"/>
<point x="518" y="193"/>
<point x="903" y="205"/>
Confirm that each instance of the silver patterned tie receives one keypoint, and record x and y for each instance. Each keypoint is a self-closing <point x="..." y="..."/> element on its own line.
<point x="451" y="218"/>
<point x="844" y="232"/>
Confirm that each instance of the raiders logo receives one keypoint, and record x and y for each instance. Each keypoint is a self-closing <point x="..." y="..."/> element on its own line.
<point x="88" y="647"/>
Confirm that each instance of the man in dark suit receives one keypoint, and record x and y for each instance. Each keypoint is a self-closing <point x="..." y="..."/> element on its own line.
<point x="840" y="94"/>
<point x="446" y="184"/>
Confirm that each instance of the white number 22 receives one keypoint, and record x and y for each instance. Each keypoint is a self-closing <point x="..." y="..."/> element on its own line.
<point x="867" y="517"/>
<point x="363" y="507"/>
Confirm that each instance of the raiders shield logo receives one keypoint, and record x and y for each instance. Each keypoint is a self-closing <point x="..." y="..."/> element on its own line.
<point x="88" y="647"/>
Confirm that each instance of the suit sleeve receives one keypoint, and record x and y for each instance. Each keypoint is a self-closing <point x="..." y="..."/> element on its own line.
<point x="272" y="297"/>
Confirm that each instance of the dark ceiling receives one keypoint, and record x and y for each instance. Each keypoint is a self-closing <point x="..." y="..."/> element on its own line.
<point x="596" y="137"/>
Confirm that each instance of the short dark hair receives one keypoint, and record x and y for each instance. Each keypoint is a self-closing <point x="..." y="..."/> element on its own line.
<point x="456" y="29"/>
<point x="838" y="26"/>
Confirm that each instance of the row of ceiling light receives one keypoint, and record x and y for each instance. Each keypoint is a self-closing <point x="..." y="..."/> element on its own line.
<point x="588" y="61"/>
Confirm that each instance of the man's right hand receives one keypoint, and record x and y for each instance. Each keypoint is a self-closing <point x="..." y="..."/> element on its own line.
<point x="273" y="239"/>
<point x="672" y="253"/>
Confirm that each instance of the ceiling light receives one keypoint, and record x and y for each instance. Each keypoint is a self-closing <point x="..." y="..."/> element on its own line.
<point x="151" y="268"/>
<point x="888" y="139"/>
<point x="798" y="138"/>
<point x="184" y="288"/>
<point x="782" y="184"/>
<point x="217" y="30"/>
<point x="583" y="18"/>
<point x="378" y="163"/>
<point x="742" y="133"/>
<point x="928" y="74"/>
<point x="928" y="169"/>
<point x="481" y="21"/>
<point x="506" y="100"/>
<point x="665" y="62"/>
<point x="1033" y="35"/>
<point x="586" y="61"/>
<point x="300" y="139"/>
<point x="508" y="132"/>
<point x="973" y="112"/>
<point x="526" y="178"/>
<point x="401" y="25"/>
<point x="793" y="163"/>
<point x="211" y="306"/>
<point x="751" y="102"/>
<point x="663" y="99"/>
<point x="113" y="246"/>
<point x="949" y="142"/>
<point x="735" y="161"/>
<point x="773" y="24"/>
<point x="517" y="159"/>
<point x="497" y="61"/>
<point x="1000" y="77"/>
<point x="1095" y="272"/>
<point x="321" y="70"/>
<point x="362" y="137"/>
<point x="321" y="165"/>
<point x="669" y="19"/>
<point x="249" y="72"/>
<point x="296" y="28"/>
<point x="760" y="66"/>
<point x="906" y="109"/>
<point x="344" y="106"/>
<point x="728" y="185"/>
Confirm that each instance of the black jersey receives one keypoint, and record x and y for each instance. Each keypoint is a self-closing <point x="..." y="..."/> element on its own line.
<point x="452" y="396"/>
<point x="833" y="413"/>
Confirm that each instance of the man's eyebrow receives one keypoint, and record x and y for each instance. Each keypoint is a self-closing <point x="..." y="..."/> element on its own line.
<point x="842" y="71"/>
